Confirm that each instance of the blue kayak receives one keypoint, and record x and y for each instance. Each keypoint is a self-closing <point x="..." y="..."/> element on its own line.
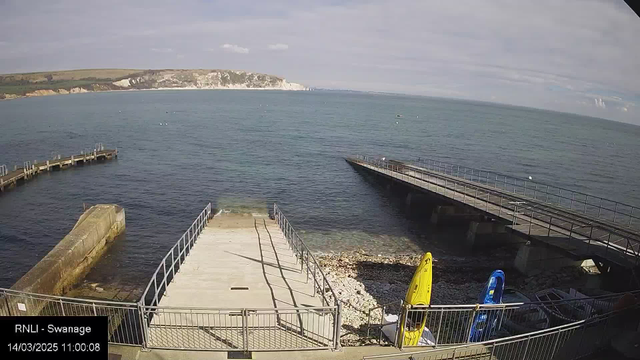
<point x="484" y="322"/>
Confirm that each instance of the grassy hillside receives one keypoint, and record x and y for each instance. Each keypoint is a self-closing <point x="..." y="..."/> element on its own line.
<point x="75" y="81"/>
<point x="21" y="84"/>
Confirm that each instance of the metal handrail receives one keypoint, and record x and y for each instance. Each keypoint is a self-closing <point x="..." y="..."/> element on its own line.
<point x="574" y="197"/>
<point x="603" y="297"/>
<point x="124" y="318"/>
<point x="187" y="241"/>
<point x="542" y="209"/>
<point x="237" y="309"/>
<point x="518" y="218"/>
<point x="307" y="259"/>
<point x="601" y="301"/>
<point x="63" y="298"/>
<point x="489" y="344"/>
<point x="546" y="207"/>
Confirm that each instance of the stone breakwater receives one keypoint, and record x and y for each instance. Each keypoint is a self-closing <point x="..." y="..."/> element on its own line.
<point x="364" y="281"/>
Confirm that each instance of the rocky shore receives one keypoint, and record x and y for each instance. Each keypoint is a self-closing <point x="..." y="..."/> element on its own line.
<point x="365" y="281"/>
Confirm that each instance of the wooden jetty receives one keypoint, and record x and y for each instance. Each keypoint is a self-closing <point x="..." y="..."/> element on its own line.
<point x="580" y="235"/>
<point x="19" y="175"/>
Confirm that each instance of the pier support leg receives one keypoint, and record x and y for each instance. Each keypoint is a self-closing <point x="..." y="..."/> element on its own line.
<point x="484" y="234"/>
<point x="535" y="258"/>
<point x="407" y="199"/>
<point x="449" y="214"/>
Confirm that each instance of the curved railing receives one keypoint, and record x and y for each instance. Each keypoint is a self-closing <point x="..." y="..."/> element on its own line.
<point x="569" y="341"/>
<point x="454" y="324"/>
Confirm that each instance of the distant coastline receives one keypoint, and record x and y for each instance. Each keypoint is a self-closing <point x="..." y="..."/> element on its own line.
<point x="14" y="86"/>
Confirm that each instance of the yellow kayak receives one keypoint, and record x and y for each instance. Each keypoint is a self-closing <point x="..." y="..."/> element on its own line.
<point x="419" y="293"/>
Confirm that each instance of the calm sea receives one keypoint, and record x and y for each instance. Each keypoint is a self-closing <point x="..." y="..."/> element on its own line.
<point x="244" y="150"/>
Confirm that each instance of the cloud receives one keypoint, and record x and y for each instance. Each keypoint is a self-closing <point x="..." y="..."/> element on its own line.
<point x="279" y="47"/>
<point x="234" y="49"/>
<point x="540" y="53"/>
<point x="162" y="50"/>
<point x="600" y="103"/>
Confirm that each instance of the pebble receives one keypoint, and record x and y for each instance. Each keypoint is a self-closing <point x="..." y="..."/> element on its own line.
<point x="367" y="282"/>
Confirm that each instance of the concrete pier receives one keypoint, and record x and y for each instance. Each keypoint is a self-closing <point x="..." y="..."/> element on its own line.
<point x="523" y="212"/>
<point x="241" y="261"/>
<point x="532" y="258"/>
<point x="449" y="214"/>
<point x="242" y="287"/>
<point x="488" y="234"/>
<point x="76" y="253"/>
<point x="19" y="175"/>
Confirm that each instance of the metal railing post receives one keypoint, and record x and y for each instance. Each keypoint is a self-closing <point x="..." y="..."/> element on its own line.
<point x="555" y="344"/>
<point x="439" y="327"/>
<point x="338" y="325"/>
<point x="470" y="323"/>
<point x="530" y="221"/>
<point x="586" y="200"/>
<point x="164" y="270"/>
<point x="143" y="317"/>
<point x="245" y="330"/>
<point x="571" y="232"/>
<point x="173" y="265"/>
<point x="599" y="208"/>
<point x="524" y="356"/>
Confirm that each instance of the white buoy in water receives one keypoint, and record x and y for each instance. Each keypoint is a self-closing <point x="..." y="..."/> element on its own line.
<point x="530" y="178"/>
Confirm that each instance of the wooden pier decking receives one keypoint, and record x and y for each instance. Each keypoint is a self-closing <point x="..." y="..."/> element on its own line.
<point x="19" y="175"/>
<point x="580" y="235"/>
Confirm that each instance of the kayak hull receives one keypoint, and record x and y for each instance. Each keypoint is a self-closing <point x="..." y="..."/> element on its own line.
<point x="413" y="322"/>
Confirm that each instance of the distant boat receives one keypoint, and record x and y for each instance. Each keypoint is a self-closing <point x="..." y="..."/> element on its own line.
<point x="398" y="115"/>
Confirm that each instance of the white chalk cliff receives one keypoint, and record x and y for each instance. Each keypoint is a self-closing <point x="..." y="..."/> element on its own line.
<point x="160" y="79"/>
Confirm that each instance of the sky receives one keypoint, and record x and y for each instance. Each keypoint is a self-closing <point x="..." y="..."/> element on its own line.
<point x="578" y="56"/>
